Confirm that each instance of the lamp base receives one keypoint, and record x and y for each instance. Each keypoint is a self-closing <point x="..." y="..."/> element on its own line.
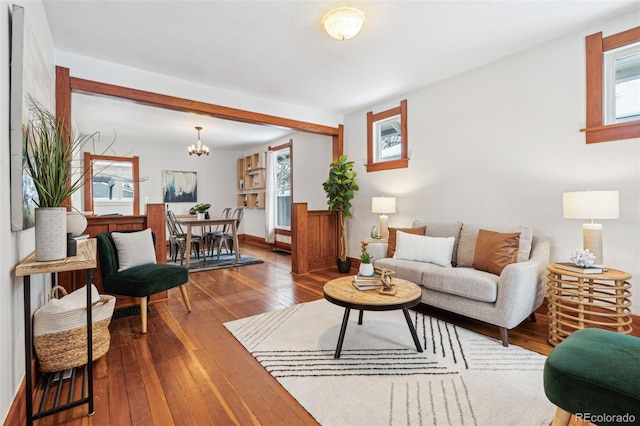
<point x="592" y="241"/>
<point x="384" y="229"/>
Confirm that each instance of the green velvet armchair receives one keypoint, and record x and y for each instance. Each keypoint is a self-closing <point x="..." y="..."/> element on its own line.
<point x="141" y="280"/>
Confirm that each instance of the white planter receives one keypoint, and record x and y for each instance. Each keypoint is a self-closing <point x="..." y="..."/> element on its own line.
<point x="200" y="216"/>
<point x="51" y="233"/>
<point x="366" y="269"/>
<point x="76" y="223"/>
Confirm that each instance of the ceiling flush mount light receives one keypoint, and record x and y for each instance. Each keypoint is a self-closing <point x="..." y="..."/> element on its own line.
<point x="198" y="149"/>
<point x="343" y="23"/>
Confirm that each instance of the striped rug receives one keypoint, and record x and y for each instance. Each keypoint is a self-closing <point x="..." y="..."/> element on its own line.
<point x="461" y="378"/>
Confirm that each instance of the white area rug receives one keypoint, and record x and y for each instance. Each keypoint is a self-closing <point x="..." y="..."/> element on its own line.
<point x="461" y="378"/>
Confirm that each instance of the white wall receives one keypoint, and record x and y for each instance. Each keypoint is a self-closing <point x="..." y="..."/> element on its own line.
<point x="216" y="173"/>
<point x="311" y="157"/>
<point x="16" y="245"/>
<point x="499" y="145"/>
<point x="107" y="72"/>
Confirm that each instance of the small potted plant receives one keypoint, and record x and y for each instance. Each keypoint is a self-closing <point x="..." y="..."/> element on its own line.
<point x="366" y="267"/>
<point x="200" y="210"/>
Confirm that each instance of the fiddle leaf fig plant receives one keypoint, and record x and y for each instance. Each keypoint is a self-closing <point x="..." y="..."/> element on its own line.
<point x="340" y="188"/>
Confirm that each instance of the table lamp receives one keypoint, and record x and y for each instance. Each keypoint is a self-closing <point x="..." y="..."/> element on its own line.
<point x="591" y="205"/>
<point x="384" y="206"/>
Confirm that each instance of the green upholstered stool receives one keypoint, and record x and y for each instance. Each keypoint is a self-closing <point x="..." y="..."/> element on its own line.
<point x="595" y="374"/>
<point x="139" y="281"/>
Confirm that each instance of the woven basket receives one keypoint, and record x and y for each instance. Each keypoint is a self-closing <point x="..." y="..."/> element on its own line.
<point x="60" y="338"/>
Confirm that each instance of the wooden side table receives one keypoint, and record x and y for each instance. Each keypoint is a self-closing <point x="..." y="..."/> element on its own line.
<point x="364" y="243"/>
<point x="84" y="260"/>
<point x="579" y="301"/>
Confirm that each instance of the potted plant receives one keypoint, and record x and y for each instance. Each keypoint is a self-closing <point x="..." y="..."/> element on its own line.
<point x="340" y="188"/>
<point x="200" y="210"/>
<point x="366" y="267"/>
<point x="49" y="150"/>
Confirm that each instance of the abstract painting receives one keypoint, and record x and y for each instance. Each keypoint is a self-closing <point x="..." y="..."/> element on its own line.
<point x="179" y="187"/>
<point x="29" y="77"/>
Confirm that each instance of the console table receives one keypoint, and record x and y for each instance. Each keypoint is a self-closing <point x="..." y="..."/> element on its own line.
<point x="579" y="301"/>
<point x="84" y="260"/>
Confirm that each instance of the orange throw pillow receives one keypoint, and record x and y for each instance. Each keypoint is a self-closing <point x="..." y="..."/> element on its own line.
<point x="391" y="247"/>
<point x="495" y="250"/>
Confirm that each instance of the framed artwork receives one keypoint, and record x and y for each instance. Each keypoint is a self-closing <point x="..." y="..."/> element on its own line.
<point x="29" y="77"/>
<point x="179" y="187"/>
<point x="387" y="139"/>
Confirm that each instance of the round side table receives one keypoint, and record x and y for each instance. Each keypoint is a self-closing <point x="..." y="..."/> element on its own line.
<point x="579" y="301"/>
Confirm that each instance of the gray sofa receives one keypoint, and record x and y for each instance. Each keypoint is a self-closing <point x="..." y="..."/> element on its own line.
<point x="504" y="300"/>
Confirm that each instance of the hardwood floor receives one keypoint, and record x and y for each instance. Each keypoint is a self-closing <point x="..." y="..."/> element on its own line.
<point x="188" y="369"/>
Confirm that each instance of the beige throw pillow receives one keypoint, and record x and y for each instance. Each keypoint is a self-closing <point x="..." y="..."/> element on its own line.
<point x="391" y="245"/>
<point x="424" y="249"/>
<point x="134" y="248"/>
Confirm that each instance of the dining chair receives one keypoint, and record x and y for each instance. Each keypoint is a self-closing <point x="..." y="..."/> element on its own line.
<point x="179" y="238"/>
<point x="217" y="230"/>
<point x="226" y="237"/>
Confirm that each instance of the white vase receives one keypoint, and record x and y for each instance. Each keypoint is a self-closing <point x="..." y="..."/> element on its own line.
<point x="51" y="233"/>
<point x="366" y="269"/>
<point x="76" y="223"/>
<point x="200" y="216"/>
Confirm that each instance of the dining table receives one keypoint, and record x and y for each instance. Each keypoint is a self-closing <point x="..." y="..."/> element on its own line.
<point x="191" y="222"/>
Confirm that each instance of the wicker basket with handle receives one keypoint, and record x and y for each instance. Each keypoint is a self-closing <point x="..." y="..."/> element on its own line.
<point x="60" y="338"/>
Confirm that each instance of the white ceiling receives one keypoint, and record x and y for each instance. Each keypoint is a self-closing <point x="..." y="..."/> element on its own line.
<point x="278" y="49"/>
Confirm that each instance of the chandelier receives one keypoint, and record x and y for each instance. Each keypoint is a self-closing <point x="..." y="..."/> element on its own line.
<point x="198" y="149"/>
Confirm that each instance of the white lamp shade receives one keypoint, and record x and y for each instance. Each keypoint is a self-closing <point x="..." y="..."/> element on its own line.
<point x="591" y="205"/>
<point x="383" y="205"/>
<point x="343" y="23"/>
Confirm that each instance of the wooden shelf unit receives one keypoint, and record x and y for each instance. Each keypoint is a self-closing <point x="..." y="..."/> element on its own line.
<point x="251" y="174"/>
<point x="86" y="261"/>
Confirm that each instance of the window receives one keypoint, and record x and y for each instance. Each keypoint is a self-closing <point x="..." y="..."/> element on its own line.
<point x="387" y="139"/>
<point x="622" y="84"/>
<point x="283" y="188"/>
<point x="613" y="86"/>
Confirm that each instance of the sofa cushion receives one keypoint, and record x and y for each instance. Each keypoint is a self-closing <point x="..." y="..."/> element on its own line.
<point x="460" y="281"/>
<point x="424" y="249"/>
<point x="469" y="235"/>
<point x="495" y="250"/>
<point x="134" y="248"/>
<point x="406" y="269"/>
<point x="391" y="246"/>
<point x="435" y="229"/>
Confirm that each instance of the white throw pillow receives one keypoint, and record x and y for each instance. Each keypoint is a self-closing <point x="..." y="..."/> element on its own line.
<point x="134" y="248"/>
<point x="424" y="249"/>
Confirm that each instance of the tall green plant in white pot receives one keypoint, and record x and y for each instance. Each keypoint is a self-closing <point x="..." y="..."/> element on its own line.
<point x="340" y="188"/>
<point x="49" y="150"/>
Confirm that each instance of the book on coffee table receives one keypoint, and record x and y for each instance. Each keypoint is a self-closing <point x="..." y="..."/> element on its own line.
<point x="366" y="278"/>
<point x="367" y="285"/>
<point x="568" y="266"/>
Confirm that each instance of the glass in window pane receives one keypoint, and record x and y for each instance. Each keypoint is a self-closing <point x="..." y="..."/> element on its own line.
<point x="627" y="103"/>
<point x="389" y="139"/>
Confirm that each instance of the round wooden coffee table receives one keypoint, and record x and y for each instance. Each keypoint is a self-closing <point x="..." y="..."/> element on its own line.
<point x="341" y="292"/>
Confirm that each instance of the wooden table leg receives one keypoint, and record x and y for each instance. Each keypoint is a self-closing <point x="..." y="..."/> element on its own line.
<point x="187" y="248"/>
<point x="235" y="240"/>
